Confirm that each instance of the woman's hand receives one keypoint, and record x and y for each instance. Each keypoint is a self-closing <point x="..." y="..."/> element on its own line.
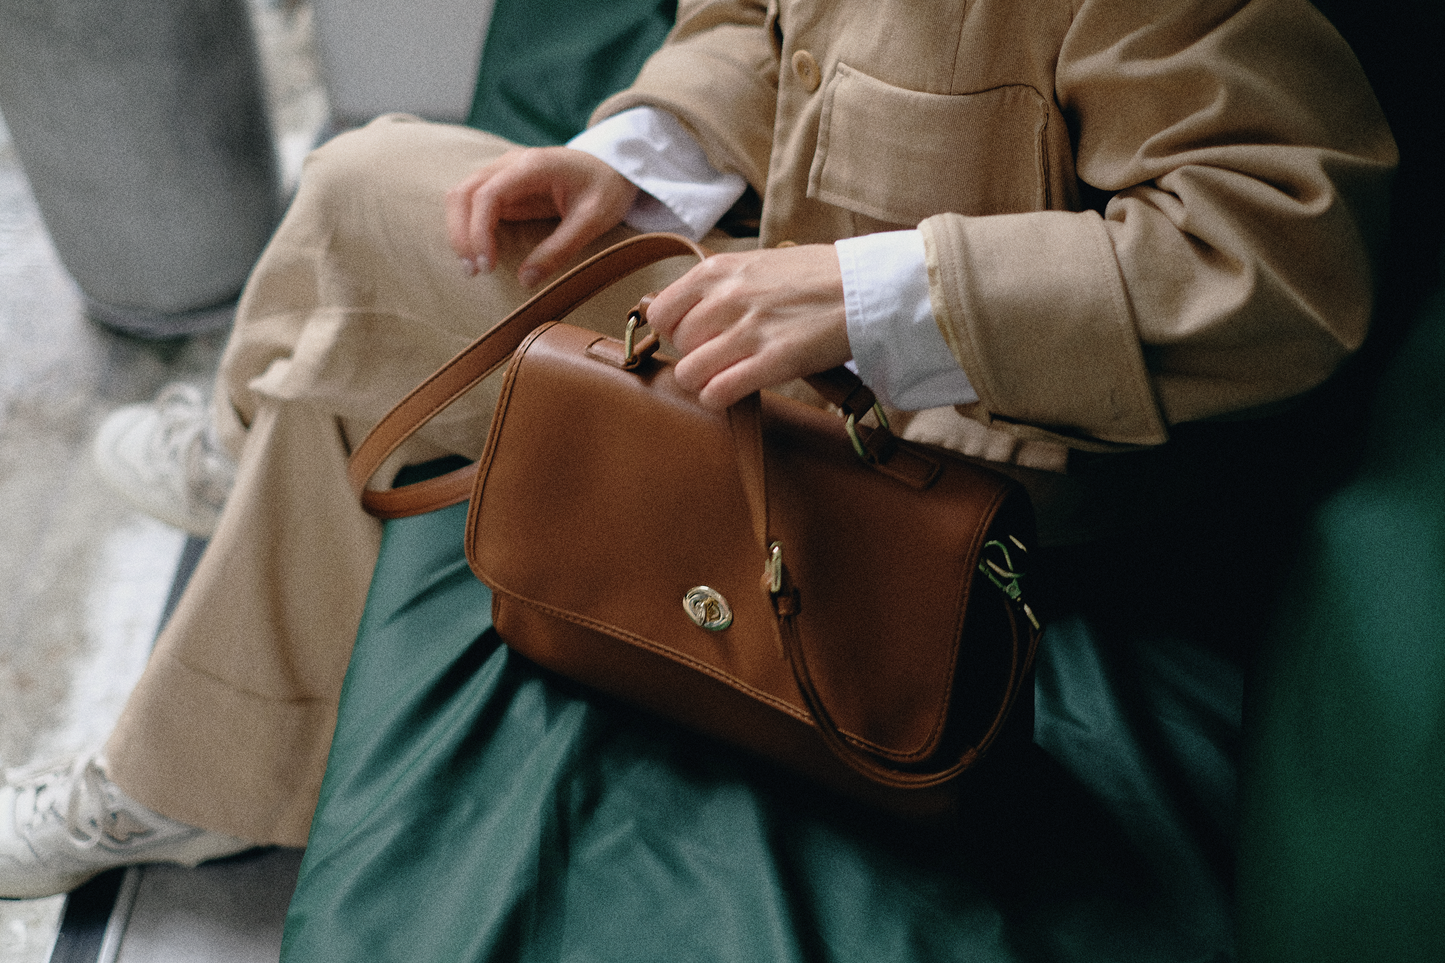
<point x="754" y="320"/>
<point x="535" y="183"/>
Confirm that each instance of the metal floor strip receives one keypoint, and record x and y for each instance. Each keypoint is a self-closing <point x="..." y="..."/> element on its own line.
<point x="120" y="915"/>
<point x="86" y="919"/>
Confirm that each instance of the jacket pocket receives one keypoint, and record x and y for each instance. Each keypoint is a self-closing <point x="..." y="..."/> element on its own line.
<point x="900" y="156"/>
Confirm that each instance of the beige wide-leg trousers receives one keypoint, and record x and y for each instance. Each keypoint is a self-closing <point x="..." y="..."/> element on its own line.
<point x="355" y="301"/>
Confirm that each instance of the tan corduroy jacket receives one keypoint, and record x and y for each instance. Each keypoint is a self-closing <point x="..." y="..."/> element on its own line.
<point x="1136" y="212"/>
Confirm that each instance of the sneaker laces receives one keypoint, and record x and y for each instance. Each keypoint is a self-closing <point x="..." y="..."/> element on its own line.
<point x="184" y="436"/>
<point x="79" y="797"/>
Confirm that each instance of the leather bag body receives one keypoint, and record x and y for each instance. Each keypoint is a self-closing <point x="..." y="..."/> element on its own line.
<point x="746" y="574"/>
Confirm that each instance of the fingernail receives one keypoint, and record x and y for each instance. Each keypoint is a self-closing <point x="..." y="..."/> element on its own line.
<point x="529" y="277"/>
<point x="469" y="266"/>
<point x="483" y="266"/>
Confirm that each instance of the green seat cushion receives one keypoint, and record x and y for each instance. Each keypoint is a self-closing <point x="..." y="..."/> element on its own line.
<point x="476" y="808"/>
<point x="1344" y="801"/>
<point x="546" y="65"/>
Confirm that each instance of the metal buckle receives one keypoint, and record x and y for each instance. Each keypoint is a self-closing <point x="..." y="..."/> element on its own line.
<point x="629" y="339"/>
<point x="1006" y="577"/>
<point x="852" y="425"/>
<point x="774" y="570"/>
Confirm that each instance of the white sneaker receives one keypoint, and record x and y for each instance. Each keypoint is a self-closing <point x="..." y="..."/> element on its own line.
<point x="62" y="824"/>
<point x="163" y="456"/>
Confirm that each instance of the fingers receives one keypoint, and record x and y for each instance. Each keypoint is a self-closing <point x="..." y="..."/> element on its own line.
<point x="585" y="194"/>
<point x="723" y="372"/>
<point x="584" y="218"/>
<point x="750" y="321"/>
<point x="469" y="239"/>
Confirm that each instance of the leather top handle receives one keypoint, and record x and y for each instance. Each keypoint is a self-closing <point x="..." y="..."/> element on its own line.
<point x="469" y="367"/>
<point x="481" y="358"/>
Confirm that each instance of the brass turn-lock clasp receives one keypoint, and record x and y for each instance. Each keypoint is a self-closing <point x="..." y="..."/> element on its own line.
<point x="707" y="608"/>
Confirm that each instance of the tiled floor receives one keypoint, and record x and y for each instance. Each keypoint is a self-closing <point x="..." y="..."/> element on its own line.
<point x="83" y="578"/>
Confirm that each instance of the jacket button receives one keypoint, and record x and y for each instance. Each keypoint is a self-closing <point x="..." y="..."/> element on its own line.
<point x="807" y="70"/>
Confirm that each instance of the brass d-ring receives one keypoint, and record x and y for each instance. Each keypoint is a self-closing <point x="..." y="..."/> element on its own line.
<point x="629" y="338"/>
<point x="852" y="425"/>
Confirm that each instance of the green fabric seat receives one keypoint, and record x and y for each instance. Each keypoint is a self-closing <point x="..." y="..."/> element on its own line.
<point x="476" y="808"/>
<point x="546" y="65"/>
<point x="1343" y="831"/>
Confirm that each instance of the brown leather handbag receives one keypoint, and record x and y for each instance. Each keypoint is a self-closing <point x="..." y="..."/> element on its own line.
<point x="827" y="596"/>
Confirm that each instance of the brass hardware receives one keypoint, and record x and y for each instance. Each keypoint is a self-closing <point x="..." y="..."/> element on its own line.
<point x="773" y="572"/>
<point x="707" y="608"/>
<point x="629" y="339"/>
<point x="1006" y="576"/>
<point x="852" y="425"/>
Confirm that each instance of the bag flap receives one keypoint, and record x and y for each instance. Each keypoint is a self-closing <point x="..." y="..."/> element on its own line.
<point x="605" y="496"/>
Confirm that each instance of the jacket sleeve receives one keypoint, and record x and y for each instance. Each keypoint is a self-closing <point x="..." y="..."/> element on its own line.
<point x="1245" y="162"/>
<point x="718" y="74"/>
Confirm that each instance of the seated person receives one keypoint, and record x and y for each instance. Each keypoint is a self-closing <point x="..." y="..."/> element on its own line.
<point x="1044" y="234"/>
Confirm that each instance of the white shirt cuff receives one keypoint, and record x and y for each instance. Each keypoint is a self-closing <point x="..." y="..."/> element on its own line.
<point x="896" y="344"/>
<point x="681" y="191"/>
